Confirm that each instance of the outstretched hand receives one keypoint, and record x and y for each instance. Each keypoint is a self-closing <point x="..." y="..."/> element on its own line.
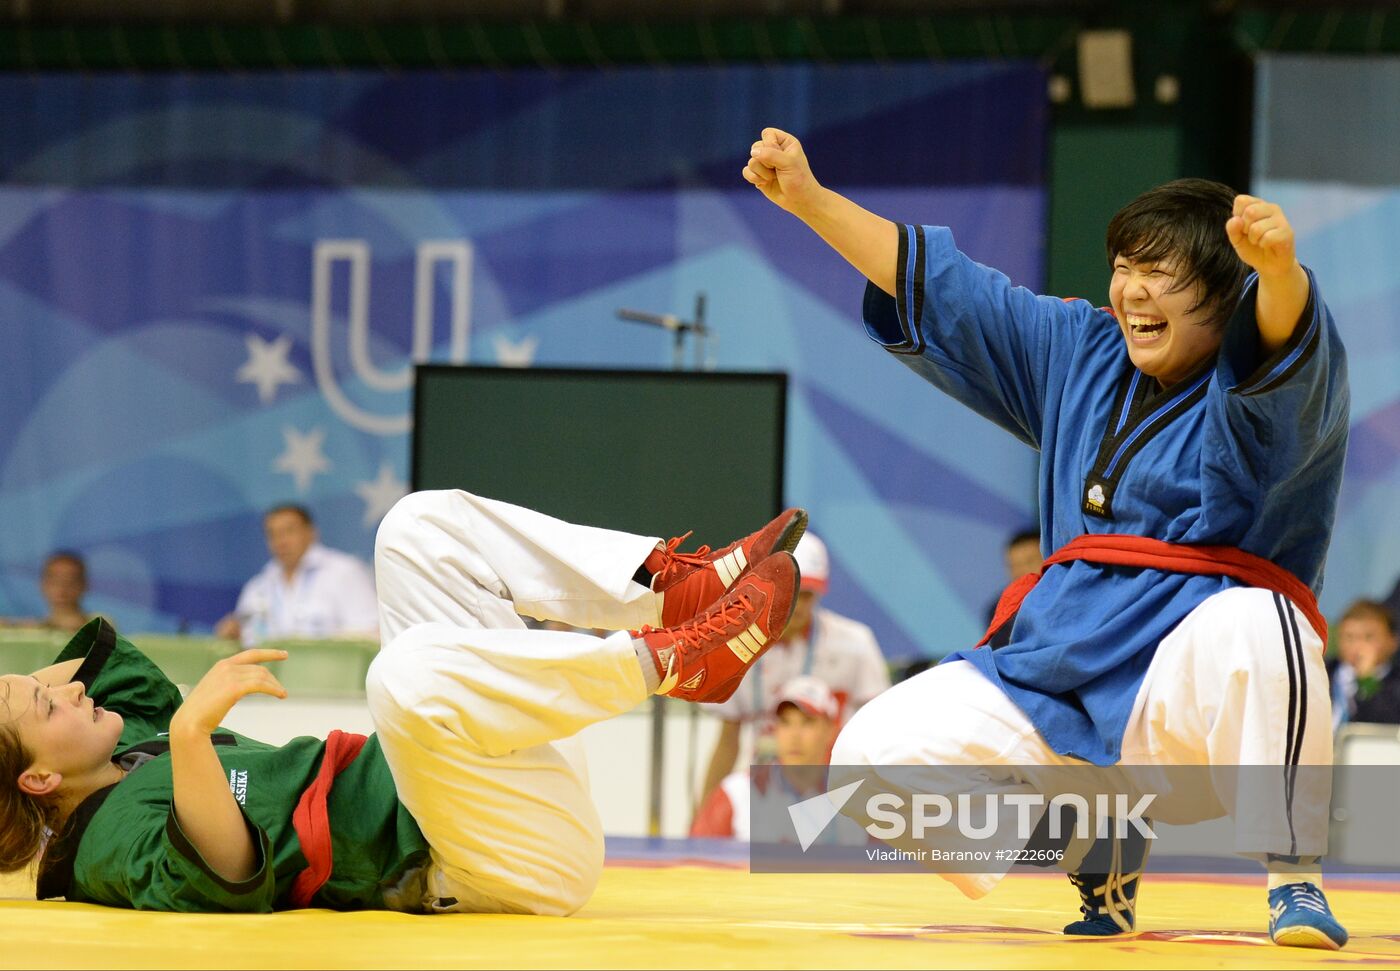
<point x="778" y="166"/>
<point x="209" y="702"/>
<point x="1262" y="237"/>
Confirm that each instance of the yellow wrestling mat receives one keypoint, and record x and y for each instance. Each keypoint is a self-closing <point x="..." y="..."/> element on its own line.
<point x="688" y="916"/>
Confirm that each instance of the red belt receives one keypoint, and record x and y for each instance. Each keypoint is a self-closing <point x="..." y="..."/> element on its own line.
<point x="311" y="819"/>
<point x="1114" y="549"/>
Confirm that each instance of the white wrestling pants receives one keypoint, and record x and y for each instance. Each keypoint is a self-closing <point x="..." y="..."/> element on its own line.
<point x="1230" y="686"/>
<point x="475" y="711"/>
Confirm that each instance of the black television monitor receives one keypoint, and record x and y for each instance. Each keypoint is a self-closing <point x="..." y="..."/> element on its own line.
<point x="650" y="452"/>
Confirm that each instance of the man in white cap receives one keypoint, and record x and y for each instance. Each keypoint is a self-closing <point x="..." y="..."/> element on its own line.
<point x="806" y="720"/>
<point x="841" y="652"/>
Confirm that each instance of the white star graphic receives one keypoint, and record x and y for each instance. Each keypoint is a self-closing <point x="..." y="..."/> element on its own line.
<point x="302" y="458"/>
<point x="267" y="366"/>
<point x="519" y="353"/>
<point x="381" y="494"/>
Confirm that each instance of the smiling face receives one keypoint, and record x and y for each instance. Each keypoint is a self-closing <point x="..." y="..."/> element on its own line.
<point x="70" y="739"/>
<point x="1175" y="277"/>
<point x="1168" y="331"/>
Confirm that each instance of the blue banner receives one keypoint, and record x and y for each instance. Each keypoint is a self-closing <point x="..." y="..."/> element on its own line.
<point x="213" y="289"/>
<point x="1337" y="176"/>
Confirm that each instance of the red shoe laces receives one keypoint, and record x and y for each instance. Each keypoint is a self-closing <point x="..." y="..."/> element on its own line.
<point x="694" y="635"/>
<point x="676" y="562"/>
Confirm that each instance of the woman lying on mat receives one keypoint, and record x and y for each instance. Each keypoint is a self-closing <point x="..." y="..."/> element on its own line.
<point x="471" y="796"/>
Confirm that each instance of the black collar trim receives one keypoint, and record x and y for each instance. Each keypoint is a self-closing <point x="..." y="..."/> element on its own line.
<point x="97" y="655"/>
<point x="1140" y="413"/>
<point x="56" y="867"/>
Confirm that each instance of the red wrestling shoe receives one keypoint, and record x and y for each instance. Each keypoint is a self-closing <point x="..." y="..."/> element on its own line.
<point x="690" y="582"/>
<point x="705" y="658"/>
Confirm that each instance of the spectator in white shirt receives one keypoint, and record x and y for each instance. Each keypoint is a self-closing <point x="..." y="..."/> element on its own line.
<point x="305" y="590"/>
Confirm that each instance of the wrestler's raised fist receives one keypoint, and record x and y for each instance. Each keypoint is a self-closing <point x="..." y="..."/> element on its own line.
<point x="1261" y="235"/>
<point x="778" y="166"/>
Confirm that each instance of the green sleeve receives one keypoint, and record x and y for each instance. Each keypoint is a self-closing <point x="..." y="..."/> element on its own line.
<point x="158" y="868"/>
<point x="117" y="676"/>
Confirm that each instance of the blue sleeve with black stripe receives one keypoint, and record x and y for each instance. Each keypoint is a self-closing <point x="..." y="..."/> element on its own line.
<point x="1285" y="410"/>
<point x="1273" y="456"/>
<point x="997" y="348"/>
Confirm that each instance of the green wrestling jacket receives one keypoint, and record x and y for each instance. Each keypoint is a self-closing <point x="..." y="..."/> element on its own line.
<point x="123" y="846"/>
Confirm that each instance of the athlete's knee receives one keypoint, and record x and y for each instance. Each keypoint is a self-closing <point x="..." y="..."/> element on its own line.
<point x="872" y="736"/>
<point x="403" y="520"/>
<point x="394" y="683"/>
<point x="860" y="738"/>
<point x="560" y="883"/>
<point x="580" y="870"/>
<point x="382" y="680"/>
<point x="931" y="719"/>
<point x="432" y="686"/>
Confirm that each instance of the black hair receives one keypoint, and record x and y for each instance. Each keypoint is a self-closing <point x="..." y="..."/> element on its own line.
<point x="1184" y="222"/>
<point x="300" y="511"/>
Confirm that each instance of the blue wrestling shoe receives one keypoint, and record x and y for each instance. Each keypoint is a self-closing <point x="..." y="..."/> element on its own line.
<point x="1108" y="894"/>
<point x="1299" y="917"/>
<point x="1108" y="903"/>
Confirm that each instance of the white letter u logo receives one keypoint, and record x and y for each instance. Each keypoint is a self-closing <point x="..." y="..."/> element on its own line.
<point x="455" y="252"/>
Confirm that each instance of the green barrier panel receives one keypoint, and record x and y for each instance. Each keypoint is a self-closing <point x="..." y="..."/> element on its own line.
<point x="313" y="669"/>
<point x="184" y="660"/>
<point x="25" y="651"/>
<point x="324" y="668"/>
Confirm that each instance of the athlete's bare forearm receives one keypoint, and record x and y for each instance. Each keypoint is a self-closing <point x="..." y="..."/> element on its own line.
<point x="868" y="242"/>
<point x="1280" y="305"/>
<point x="204" y="804"/>
<point x="205" y="807"/>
